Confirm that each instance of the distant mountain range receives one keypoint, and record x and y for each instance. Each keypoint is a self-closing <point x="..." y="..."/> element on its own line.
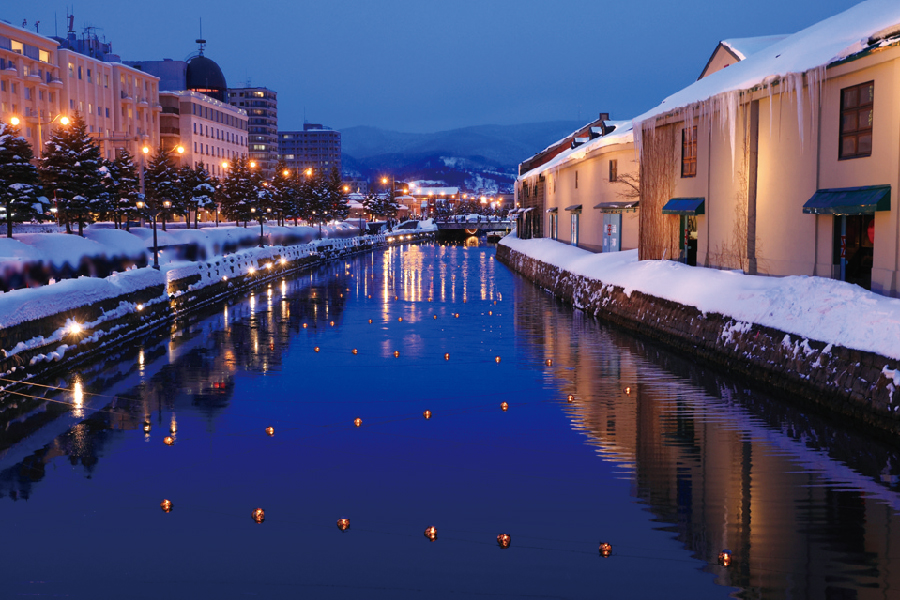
<point x="478" y="157"/>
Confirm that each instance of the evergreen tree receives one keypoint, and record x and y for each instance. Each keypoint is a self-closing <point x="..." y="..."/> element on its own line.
<point x="104" y="207"/>
<point x="334" y="186"/>
<point x="238" y="191"/>
<point x="185" y="203"/>
<point x="70" y="170"/>
<point x="19" y="188"/>
<point x="382" y="204"/>
<point x="203" y="192"/>
<point x="282" y="189"/>
<point x="161" y="182"/>
<point x="128" y="186"/>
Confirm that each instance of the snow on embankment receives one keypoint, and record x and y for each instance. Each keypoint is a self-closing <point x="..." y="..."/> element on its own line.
<point x="20" y="306"/>
<point x="833" y="312"/>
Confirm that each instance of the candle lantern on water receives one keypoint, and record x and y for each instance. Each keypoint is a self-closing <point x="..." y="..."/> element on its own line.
<point x="316" y="348"/>
<point x="605" y="550"/>
<point x="503" y="540"/>
<point x="497" y="359"/>
<point x="270" y="431"/>
<point x="258" y="515"/>
<point x="304" y="326"/>
<point x="504" y="406"/>
<point x="431" y="533"/>
<point x="434" y="317"/>
<point x="146" y="426"/>
<point x="427" y="414"/>
<point x="549" y="362"/>
<point x="399" y="318"/>
<point x="446" y="356"/>
<point x="627" y="390"/>
<point x="343" y="524"/>
<point x="354" y="351"/>
<point x="357" y="421"/>
<point x="166" y="505"/>
<point x="396" y="354"/>
<point x="169" y="440"/>
<point x="490" y="313"/>
<point x="331" y="323"/>
<point x="725" y="558"/>
<point x="396" y="298"/>
<point x="571" y="398"/>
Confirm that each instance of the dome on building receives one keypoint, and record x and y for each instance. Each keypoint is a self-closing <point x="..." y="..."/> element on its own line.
<point x="205" y="76"/>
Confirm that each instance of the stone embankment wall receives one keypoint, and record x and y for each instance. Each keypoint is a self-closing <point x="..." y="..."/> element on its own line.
<point x="47" y="346"/>
<point x="848" y="382"/>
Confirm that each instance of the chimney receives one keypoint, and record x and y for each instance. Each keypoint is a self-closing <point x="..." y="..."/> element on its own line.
<point x="604" y="117"/>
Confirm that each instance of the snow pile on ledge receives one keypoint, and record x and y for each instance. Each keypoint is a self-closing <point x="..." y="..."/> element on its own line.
<point x="815" y="308"/>
<point x="20" y="306"/>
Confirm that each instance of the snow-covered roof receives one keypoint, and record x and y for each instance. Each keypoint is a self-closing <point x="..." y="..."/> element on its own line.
<point x="621" y="135"/>
<point x="744" y="47"/>
<point x="825" y="42"/>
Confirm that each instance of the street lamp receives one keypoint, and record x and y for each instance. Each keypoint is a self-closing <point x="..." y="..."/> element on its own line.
<point x="63" y="120"/>
<point x="153" y="211"/>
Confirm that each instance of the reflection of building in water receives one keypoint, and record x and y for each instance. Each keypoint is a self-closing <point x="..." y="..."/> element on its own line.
<point x="726" y="468"/>
<point x="189" y="367"/>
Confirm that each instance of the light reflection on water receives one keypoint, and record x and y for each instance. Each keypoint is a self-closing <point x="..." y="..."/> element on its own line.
<point x="684" y="464"/>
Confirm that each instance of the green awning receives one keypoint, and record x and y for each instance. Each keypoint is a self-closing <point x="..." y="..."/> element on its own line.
<point x="863" y="200"/>
<point x="684" y="206"/>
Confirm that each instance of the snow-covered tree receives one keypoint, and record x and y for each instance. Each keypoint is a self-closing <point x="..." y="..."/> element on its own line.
<point x="382" y="204"/>
<point x="19" y="188"/>
<point x="70" y="171"/>
<point x="334" y="188"/>
<point x="238" y="191"/>
<point x="161" y="181"/>
<point x="282" y="189"/>
<point x="203" y="192"/>
<point x="128" y="185"/>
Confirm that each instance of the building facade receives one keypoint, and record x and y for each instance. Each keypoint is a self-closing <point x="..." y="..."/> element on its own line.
<point x="261" y="105"/>
<point x="315" y="147"/>
<point x="209" y="131"/>
<point x="30" y="83"/>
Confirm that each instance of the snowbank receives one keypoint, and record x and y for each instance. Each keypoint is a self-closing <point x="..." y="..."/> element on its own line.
<point x="830" y="311"/>
<point x="20" y="306"/>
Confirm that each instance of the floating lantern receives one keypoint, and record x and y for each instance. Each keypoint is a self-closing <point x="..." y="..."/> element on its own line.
<point x="270" y="431"/>
<point x="396" y="298"/>
<point x="357" y="421"/>
<point x="304" y="326"/>
<point x="396" y="354"/>
<point x="343" y="524"/>
<point x="166" y="506"/>
<point x="605" y="550"/>
<point x="490" y="313"/>
<point x="169" y="440"/>
<point x="399" y="318"/>
<point x="456" y="315"/>
<point x="497" y="359"/>
<point x="354" y="351"/>
<point x="627" y="390"/>
<point x="429" y="299"/>
<point x="549" y="362"/>
<point x="571" y="398"/>
<point x="342" y="295"/>
<point x="435" y="317"/>
<point x="316" y="348"/>
<point x="504" y="406"/>
<point x="370" y="321"/>
<point x="503" y="540"/>
<point x="146" y="426"/>
<point x="725" y="558"/>
<point x="370" y="296"/>
<point x="446" y="356"/>
<point x="258" y="515"/>
<point x="331" y="323"/>
<point x="427" y="414"/>
<point x="431" y="533"/>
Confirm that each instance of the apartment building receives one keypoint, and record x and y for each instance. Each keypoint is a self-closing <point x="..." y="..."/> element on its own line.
<point x="261" y="105"/>
<point x="315" y="147"/>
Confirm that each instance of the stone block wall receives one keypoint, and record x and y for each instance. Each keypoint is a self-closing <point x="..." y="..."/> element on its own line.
<point x="841" y="380"/>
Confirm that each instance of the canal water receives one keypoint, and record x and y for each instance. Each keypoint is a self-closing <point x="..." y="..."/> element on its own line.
<point x="668" y="462"/>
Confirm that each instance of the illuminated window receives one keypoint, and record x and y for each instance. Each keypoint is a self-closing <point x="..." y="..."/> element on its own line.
<point x="16" y="47"/>
<point x="43" y="56"/>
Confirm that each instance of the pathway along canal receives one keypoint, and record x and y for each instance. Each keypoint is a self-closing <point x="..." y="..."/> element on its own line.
<point x="668" y="462"/>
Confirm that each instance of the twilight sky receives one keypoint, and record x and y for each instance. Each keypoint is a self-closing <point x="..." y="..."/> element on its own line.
<point x="423" y="66"/>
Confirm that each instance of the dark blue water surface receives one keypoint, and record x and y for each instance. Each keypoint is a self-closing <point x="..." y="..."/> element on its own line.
<point x="683" y="464"/>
